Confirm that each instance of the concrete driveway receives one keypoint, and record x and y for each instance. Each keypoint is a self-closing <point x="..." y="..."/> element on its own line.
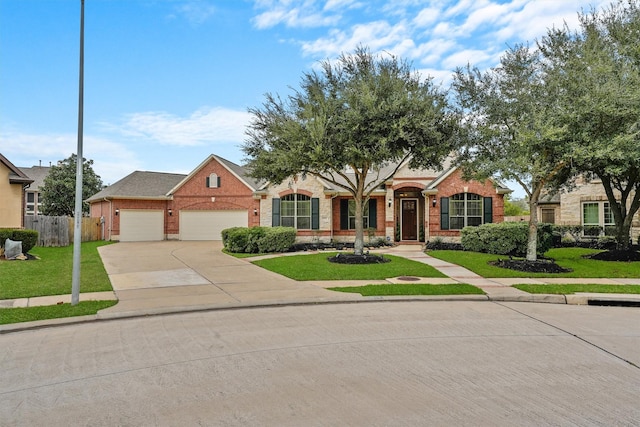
<point x="167" y="276"/>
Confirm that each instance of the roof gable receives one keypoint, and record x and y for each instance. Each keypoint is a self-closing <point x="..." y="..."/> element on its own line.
<point x="16" y="176"/>
<point x="238" y="171"/>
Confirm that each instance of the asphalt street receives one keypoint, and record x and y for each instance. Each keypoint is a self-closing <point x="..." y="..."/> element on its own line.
<point x="374" y="364"/>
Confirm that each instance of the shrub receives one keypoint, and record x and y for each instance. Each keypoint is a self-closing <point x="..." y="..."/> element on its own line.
<point x="592" y="230"/>
<point x="253" y="239"/>
<point x="5" y="233"/>
<point x="29" y="239"/>
<point x="505" y="238"/>
<point x="277" y="239"/>
<point x="236" y="239"/>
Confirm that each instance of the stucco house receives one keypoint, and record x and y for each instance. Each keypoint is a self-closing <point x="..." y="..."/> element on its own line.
<point x="409" y="206"/>
<point x="12" y="184"/>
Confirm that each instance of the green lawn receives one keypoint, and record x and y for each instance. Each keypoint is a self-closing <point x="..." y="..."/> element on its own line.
<point x="571" y="289"/>
<point x="565" y="257"/>
<point x="411" y="289"/>
<point x="317" y="267"/>
<point x="51" y="274"/>
<point x="29" y="314"/>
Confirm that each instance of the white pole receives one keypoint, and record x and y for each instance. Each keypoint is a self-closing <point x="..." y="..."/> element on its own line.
<point x="77" y="232"/>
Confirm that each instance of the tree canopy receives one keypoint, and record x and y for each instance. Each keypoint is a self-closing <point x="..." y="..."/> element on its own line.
<point x="347" y="121"/>
<point x="510" y="128"/>
<point x="598" y="68"/>
<point x="58" y="191"/>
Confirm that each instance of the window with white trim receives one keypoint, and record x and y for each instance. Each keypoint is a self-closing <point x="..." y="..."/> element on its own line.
<point x="352" y="215"/>
<point x="295" y="211"/>
<point x="465" y="210"/>
<point x="597" y="213"/>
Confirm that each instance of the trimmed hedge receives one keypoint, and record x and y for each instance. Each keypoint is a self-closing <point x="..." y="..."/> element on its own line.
<point x="258" y="239"/>
<point x="29" y="238"/>
<point x="505" y="238"/>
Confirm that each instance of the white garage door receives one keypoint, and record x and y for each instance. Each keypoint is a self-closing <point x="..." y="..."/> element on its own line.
<point x="207" y="225"/>
<point x="141" y="225"/>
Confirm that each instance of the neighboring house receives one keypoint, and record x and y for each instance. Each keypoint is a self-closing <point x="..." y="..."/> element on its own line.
<point x="409" y="206"/>
<point x="33" y="198"/>
<point x="586" y="204"/>
<point x="12" y="184"/>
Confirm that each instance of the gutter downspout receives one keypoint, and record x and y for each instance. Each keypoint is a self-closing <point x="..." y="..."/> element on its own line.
<point x="110" y="217"/>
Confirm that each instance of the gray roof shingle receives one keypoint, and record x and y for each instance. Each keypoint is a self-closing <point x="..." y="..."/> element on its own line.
<point x="141" y="184"/>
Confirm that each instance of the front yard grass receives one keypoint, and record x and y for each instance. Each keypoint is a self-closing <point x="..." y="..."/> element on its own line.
<point x="30" y="314"/>
<point x="317" y="267"/>
<point x="565" y="257"/>
<point x="51" y="274"/>
<point x="411" y="289"/>
<point x="573" y="288"/>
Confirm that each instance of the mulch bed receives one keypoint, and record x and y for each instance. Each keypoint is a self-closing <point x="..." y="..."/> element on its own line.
<point x="616" y="255"/>
<point x="539" y="266"/>
<point x="358" y="259"/>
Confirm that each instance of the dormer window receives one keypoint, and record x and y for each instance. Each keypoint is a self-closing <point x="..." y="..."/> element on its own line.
<point x="213" y="181"/>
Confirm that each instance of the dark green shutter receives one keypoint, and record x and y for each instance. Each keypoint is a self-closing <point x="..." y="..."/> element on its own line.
<point x="344" y="214"/>
<point x="488" y="210"/>
<point x="444" y="213"/>
<point x="218" y="182"/>
<point x="207" y="182"/>
<point x="373" y="213"/>
<point x="275" y="212"/>
<point x="315" y="213"/>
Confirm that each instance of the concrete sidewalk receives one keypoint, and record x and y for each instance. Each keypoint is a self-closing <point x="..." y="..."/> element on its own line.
<point x="174" y="276"/>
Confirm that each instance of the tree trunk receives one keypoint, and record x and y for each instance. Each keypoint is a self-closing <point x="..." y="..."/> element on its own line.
<point x="532" y="243"/>
<point x="358" y="244"/>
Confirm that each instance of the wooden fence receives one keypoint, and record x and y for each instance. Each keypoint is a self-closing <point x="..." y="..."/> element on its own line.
<point x="59" y="230"/>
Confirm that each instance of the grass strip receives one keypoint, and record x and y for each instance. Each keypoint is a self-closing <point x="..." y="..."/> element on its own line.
<point x="573" y="288"/>
<point x="411" y="289"/>
<point x="565" y="257"/>
<point x="317" y="267"/>
<point x="51" y="274"/>
<point x="29" y="314"/>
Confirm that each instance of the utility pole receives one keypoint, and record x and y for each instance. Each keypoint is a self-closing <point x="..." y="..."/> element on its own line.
<point x="77" y="231"/>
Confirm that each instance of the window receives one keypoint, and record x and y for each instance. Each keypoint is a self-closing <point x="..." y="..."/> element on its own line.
<point x="548" y="215"/>
<point x="591" y="214"/>
<point x="465" y="209"/>
<point x="295" y="211"/>
<point x="213" y="181"/>
<point x="30" y="207"/>
<point x="352" y="215"/>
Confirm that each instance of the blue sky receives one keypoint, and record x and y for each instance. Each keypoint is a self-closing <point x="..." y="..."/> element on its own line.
<point x="168" y="82"/>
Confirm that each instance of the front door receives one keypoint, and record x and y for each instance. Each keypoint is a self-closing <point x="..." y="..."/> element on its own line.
<point x="409" y="219"/>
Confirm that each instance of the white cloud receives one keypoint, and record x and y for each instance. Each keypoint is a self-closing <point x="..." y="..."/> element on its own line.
<point x="112" y="160"/>
<point x="206" y="125"/>
<point x="297" y="13"/>
<point x="195" y="11"/>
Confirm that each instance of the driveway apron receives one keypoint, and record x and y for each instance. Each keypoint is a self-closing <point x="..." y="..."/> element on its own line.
<point x="157" y="277"/>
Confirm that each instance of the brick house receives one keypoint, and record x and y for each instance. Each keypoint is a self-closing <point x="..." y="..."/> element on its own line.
<point x="146" y="206"/>
<point x="12" y="196"/>
<point x="409" y="206"/>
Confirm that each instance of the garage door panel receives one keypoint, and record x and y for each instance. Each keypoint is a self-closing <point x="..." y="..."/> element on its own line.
<point x="141" y="225"/>
<point x="207" y="225"/>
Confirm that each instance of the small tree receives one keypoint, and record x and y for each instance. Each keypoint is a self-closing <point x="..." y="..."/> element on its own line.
<point x="58" y="191"/>
<point x="347" y="122"/>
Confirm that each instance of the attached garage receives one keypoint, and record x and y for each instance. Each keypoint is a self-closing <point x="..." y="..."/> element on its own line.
<point x="207" y="225"/>
<point x="141" y="225"/>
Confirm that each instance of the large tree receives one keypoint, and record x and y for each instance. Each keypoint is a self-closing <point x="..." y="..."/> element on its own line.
<point x="347" y="121"/>
<point x="58" y="190"/>
<point x="511" y="130"/>
<point x="598" y="67"/>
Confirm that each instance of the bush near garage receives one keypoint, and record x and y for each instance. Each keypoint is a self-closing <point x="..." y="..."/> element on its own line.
<point x="505" y="238"/>
<point x="29" y="238"/>
<point x="258" y="239"/>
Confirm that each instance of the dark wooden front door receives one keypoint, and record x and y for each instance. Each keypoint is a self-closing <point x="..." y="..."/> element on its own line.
<point x="409" y="219"/>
